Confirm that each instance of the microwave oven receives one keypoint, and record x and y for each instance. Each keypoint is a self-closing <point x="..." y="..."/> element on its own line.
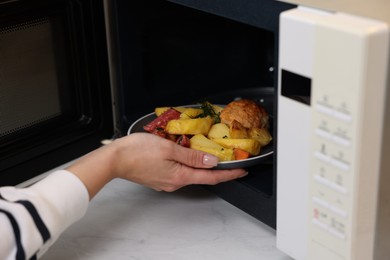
<point x="75" y="73"/>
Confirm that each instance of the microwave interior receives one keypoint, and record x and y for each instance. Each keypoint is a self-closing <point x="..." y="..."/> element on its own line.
<point x="76" y="72"/>
<point x="183" y="53"/>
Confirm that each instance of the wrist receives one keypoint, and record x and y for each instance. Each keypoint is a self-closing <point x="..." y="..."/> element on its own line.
<point x="95" y="169"/>
<point x="116" y="156"/>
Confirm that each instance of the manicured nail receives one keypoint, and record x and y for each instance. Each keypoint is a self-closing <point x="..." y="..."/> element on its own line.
<point x="210" y="160"/>
<point x="244" y="174"/>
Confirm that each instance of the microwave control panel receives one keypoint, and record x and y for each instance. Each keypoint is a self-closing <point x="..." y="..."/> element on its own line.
<point x="348" y="60"/>
<point x="348" y="90"/>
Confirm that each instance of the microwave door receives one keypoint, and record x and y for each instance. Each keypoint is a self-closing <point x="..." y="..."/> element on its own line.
<point x="55" y="91"/>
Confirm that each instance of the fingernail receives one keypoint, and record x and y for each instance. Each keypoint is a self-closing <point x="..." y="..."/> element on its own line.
<point x="244" y="174"/>
<point x="210" y="160"/>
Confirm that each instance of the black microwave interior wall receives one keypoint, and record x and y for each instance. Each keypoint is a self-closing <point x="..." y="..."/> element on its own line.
<point x="168" y="54"/>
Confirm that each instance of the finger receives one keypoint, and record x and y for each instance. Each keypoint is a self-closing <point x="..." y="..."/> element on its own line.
<point x="212" y="177"/>
<point x="194" y="158"/>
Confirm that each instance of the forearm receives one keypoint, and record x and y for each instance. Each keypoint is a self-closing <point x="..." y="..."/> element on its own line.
<point x="58" y="201"/>
<point x="151" y="161"/>
<point x="95" y="169"/>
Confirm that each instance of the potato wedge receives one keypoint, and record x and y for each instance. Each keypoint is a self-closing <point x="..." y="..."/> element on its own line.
<point x="202" y="143"/>
<point x="159" y="110"/>
<point x="252" y="146"/>
<point x="260" y="134"/>
<point x="219" y="130"/>
<point x="191" y="112"/>
<point x="238" y="131"/>
<point x="189" y="126"/>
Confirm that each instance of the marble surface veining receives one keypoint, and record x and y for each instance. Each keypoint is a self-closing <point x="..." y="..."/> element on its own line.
<point x="129" y="221"/>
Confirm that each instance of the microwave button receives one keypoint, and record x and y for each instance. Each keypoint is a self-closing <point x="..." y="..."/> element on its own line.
<point x="338" y="188"/>
<point x="322" y="180"/>
<point x="338" y="211"/>
<point x="341" y="140"/>
<point x="340" y="164"/>
<point x="323" y="133"/>
<point x="337" y="228"/>
<point x="324" y="109"/>
<point x="332" y="185"/>
<point x="320" y="202"/>
<point x="323" y="157"/>
<point x="342" y="116"/>
<point x="319" y="224"/>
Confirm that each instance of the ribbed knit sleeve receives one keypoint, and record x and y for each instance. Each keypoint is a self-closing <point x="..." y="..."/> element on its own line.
<point x="32" y="218"/>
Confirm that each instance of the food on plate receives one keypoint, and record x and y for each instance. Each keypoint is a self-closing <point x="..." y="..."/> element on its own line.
<point x="219" y="130"/>
<point x="240" y="154"/>
<point x="238" y="131"/>
<point x="189" y="126"/>
<point x="158" y="125"/>
<point x="252" y="146"/>
<point x="159" y="110"/>
<point x="247" y="112"/>
<point x="260" y="134"/>
<point x="162" y="120"/>
<point x="235" y="132"/>
<point x="191" y="112"/>
<point x="202" y="143"/>
<point x="183" y="140"/>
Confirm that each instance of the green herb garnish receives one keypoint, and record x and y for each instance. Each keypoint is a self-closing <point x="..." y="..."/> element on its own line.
<point x="208" y="110"/>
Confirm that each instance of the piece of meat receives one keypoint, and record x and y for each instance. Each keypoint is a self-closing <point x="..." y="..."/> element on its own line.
<point x="247" y="112"/>
<point x="183" y="140"/>
<point x="161" y="121"/>
<point x="159" y="132"/>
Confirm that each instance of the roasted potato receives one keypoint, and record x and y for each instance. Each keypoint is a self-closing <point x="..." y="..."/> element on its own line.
<point x="238" y="131"/>
<point x="202" y="143"/>
<point x="251" y="146"/>
<point x="191" y="112"/>
<point x="260" y="134"/>
<point x="219" y="130"/>
<point x="189" y="126"/>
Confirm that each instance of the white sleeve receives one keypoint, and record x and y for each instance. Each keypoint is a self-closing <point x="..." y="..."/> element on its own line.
<point x="32" y="218"/>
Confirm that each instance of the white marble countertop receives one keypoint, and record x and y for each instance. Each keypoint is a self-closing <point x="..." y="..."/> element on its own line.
<point x="129" y="221"/>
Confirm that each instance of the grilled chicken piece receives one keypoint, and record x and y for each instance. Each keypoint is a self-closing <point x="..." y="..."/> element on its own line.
<point x="247" y="112"/>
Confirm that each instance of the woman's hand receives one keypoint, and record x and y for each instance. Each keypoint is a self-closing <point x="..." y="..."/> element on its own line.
<point x="151" y="161"/>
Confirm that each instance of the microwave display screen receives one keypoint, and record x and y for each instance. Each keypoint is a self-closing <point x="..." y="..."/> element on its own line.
<point x="296" y="87"/>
